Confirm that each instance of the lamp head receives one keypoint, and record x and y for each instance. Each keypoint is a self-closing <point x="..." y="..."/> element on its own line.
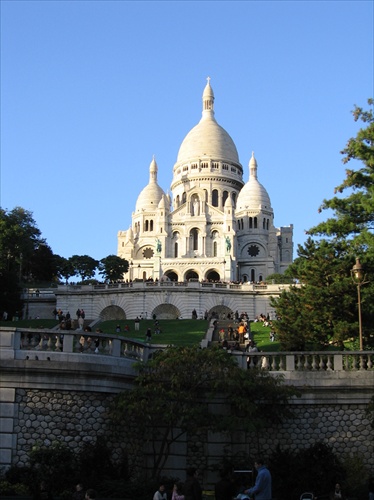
<point x="358" y="271"/>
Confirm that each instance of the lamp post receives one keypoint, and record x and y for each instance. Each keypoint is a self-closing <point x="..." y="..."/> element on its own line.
<point x="358" y="277"/>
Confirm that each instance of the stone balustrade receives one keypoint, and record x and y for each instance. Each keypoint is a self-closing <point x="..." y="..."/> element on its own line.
<point x="140" y="284"/>
<point x="27" y="340"/>
<point x="30" y="342"/>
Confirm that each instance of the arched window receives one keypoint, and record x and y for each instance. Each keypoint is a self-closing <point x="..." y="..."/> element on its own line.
<point x="177" y="201"/>
<point x="250" y="223"/>
<point x="264" y="224"/>
<point x="215" y="198"/>
<point x="267" y="224"/>
<point x="195" y="239"/>
<point x="151" y="226"/>
<point x="184" y="197"/>
<point x="234" y="199"/>
<point x="252" y="275"/>
<point x="175" y="249"/>
<point x="214" y="249"/>
<point x="255" y="222"/>
<point x="225" y="195"/>
<point x="146" y="226"/>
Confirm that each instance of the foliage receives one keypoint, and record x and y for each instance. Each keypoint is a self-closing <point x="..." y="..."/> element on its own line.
<point x="315" y="469"/>
<point x="84" y="266"/>
<point x="53" y="465"/>
<point x="321" y="310"/>
<point x="112" y="268"/>
<point x="172" y="394"/>
<point x="370" y="412"/>
<point x="96" y="463"/>
<point x="64" y="268"/>
<point x="324" y="308"/>
<point x="356" y="477"/>
<point x="10" y="293"/>
<point x="16" y="489"/>
<point x="24" y="255"/>
<point x="354" y="214"/>
<point x="281" y="279"/>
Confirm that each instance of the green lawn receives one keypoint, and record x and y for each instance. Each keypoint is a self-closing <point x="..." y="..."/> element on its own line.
<point x="177" y="332"/>
<point x="30" y="323"/>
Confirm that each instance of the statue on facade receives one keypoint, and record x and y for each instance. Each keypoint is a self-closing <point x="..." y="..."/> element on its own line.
<point x="158" y="246"/>
<point x="228" y="244"/>
<point x="195" y="206"/>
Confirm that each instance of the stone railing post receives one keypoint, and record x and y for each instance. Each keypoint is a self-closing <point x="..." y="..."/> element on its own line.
<point x="116" y="347"/>
<point x="338" y="362"/>
<point x="68" y="344"/>
<point x="290" y="362"/>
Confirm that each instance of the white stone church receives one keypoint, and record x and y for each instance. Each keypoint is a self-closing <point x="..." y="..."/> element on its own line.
<point x="214" y="226"/>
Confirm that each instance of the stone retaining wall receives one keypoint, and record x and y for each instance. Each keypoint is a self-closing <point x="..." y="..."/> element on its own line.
<point x="73" y="417"/>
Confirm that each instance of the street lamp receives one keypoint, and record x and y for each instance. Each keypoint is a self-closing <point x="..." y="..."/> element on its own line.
<point x="358" y="277"/>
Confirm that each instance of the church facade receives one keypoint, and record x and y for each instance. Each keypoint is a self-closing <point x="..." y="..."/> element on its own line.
<point x="213" y="226"/>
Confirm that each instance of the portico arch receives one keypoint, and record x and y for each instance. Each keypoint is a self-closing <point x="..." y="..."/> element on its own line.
<point x="166" y="311"/>
<point x="212" y="275"/>
<point x="191" y="275"/>
<point x="112" y="312"/>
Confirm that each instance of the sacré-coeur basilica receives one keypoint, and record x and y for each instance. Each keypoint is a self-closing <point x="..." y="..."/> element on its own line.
<point x="213" y="227"/>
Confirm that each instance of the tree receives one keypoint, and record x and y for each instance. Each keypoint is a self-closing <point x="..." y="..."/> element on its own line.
<point x="42" y="264"/>
<point x="324" y="308"/>
<point x="318" y="311"/>
<point x="173" y="393"/>
<point x="24" y="256"/>
<point x="112" y="268"/>
<point x="19" y="237"/>
<point x="64" y="268"/>
<point x="353" y="216"/>
<point x="84" y="265"/>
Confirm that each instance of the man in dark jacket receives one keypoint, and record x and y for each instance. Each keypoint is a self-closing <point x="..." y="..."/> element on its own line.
<point x="192" y="489"/>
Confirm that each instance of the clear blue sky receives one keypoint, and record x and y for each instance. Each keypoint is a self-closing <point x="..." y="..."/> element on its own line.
<point x="91" y="90"/>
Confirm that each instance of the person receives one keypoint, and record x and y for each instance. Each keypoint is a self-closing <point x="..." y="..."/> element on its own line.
<point x="192" y="488"/>
<point x="337" y="494"/>
<point x="371" y="488"/>
<point x="43" y="492"/>
<point x="252" y="360"/>
<point x="262" y="488"/>
<point x="90" y="494"/>
<point x="160" y="493"/>
<point x="137" y="323"/>
<point x="177" y="492"/>
<point x="148" y="335"/>
<point x="79" y="492"/>
<point x="224" y="489"/>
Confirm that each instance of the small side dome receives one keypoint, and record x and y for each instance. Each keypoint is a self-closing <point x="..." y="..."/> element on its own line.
<point x="253" y="195"/>
<point x="129" y="235"/>
<point x="163" y="202"/>
<point x="151" y="195"/>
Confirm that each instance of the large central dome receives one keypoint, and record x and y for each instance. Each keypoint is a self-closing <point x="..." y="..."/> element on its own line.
<point x="207" y="138"/>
